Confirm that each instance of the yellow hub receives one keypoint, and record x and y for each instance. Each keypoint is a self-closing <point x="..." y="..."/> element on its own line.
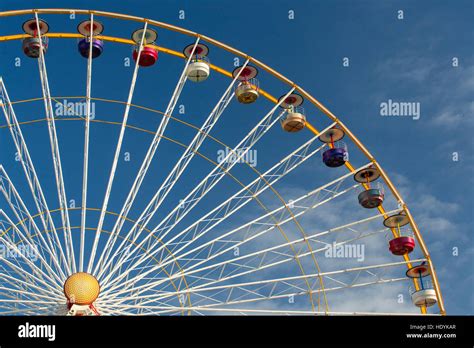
<point x="81" y="288"/>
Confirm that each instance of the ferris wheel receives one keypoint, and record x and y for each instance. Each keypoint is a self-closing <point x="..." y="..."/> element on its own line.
<point x="195" y="225"/>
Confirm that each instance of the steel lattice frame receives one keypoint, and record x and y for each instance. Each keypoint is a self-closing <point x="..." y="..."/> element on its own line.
<point x="31" y="289"/>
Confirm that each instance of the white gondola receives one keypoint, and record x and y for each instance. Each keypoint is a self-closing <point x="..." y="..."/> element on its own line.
<point x="294" y="120"/>
<point x="425" y="296"/>
<point x="198" y="69"/>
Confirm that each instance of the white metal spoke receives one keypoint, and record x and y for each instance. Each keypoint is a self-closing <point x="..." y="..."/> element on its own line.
<point x="23" y="215"/>
<point x="117" y="152"/>
<point x="27" y="293"/>
<point x="280" y="312"/>
<point x="27" y="311"/>
<point x="180" y="166"/>
<point x="193" y="198"/>
<point x="30" y="173"/>
<point x="58" y="171"/>
<point x="85" y="165"/>
<point x="20" y="270"/>
<point x="233" y="204"/>
<point x="174" y="175"/>
<point x="258" y="222"/>
<point x="16" y="282"/>
<point x="251" y="256"/>
<point x="51" y="275"/>
<point x="204" y="288"/>
<point x="261" y="297"/>
<point x="241" y="195"/>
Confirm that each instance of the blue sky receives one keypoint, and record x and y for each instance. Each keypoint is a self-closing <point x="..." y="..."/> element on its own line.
<point x="403" y="60"/>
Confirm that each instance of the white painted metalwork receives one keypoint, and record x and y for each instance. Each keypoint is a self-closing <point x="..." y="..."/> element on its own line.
<point x="117" y="153"/>
<point x="180" y="166"/>
<point x="32" y="178"/>
<point x="146" y="164"/>
<point x="167" y="224"/>
<point x="85" y="166"/>
<point x="53" y="138"/>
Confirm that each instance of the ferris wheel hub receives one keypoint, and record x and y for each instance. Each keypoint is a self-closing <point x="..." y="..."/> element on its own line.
<point x="81" y="288"/>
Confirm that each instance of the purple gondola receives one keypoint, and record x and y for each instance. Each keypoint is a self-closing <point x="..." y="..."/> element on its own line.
<point x="337" y="154"/>
<point x="88" y="28"/>
<point x="84" y="46"/>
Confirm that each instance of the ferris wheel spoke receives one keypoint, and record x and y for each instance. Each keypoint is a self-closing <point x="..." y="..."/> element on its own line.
<point x="26" y="311"/>
<point x="309" y="199"/>
<point x="117" y="152"/>
<point x="85" y="166"/>
<point x="206" y="282"/>
<point x="254" y="311"/>
<point x="51" y="275"/>
<point x="295" y="242"/>
<point x="19" y="283"/>
<point x="16" y="204"/>
<point x="220" y="213"/>
<point x="23" y="215"/>
<point x="233" y="204"/>
<point x="178" y="169"/>
<point x="30" y="174"/>
<point x="271" y="282"/>
<point x="58" y="171"/>
<point x="22" y="279"/>
<point x="279" y="258"/>
<point x="11" y="245"/>
<point x="20" y="271"/>
<point x="188" y="203"/>
<point x="257" y="257"/>
<point x="210" y="268"/>
<point x="134" y="310"/>
<point x="33" y="295"/>
<point x="269" y="295"/>
<point x="111" y="305"/>
<point x="109" y="310"/>
<point x="180" y="166"/>
<point x="228" y="207"/>
<point x="23" y="308"/>
<point x="29" y="301"/>
<point x="245" y="295"/>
